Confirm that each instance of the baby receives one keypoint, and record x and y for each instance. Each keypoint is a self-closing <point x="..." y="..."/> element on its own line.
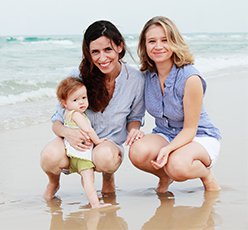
<point x="72" y="94"/>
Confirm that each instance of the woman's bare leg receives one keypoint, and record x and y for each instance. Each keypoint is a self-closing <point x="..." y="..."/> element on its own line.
<point x="143" y="151"/>
<point x="190" y="162"/>
<point x="53" y="159"/>
<point x="107" y="159"/>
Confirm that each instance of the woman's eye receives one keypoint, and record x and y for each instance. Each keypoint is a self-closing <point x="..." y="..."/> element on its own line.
<point x="94" y="52"/>
<point x="108" y="49"/>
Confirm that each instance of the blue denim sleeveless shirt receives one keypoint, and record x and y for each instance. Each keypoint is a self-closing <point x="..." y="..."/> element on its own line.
<point x="167" y="109"/>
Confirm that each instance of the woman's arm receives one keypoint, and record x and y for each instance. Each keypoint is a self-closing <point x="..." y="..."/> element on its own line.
<point x="74" y="136"/>
<point x="192" y="104"/>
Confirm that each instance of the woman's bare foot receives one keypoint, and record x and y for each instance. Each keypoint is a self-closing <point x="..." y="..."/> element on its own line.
<point x="100" y="205"/>
<point x="210" y="183"/>
<point x="163" y="185"/>
<point x="50" y="192"/>
<point x="108" y="184"/>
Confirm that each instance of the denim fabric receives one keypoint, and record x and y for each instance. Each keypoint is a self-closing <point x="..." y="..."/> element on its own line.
<point x="167" y="108"/>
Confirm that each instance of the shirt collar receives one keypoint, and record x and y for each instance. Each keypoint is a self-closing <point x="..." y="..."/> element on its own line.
<point x="171" y="77"/>
<point x="121" y="77"/>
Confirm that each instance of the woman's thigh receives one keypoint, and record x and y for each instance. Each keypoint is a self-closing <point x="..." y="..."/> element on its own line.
<point x="183" y="158"/>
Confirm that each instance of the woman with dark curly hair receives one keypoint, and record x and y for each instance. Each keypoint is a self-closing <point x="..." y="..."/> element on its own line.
<point x="116" y="108"/>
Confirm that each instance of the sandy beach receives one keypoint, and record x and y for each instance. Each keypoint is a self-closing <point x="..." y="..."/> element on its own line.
<point x="187" y="206"/>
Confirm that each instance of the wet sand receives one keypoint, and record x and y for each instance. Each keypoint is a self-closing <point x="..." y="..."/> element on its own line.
<point x="137" y="206"/>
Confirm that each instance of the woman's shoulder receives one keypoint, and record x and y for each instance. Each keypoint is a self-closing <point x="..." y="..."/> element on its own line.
<point x="188" y="70"/>
<point x="74" y="72"/>
<point x="132" y="68"/>
<point x="134" y="72"/>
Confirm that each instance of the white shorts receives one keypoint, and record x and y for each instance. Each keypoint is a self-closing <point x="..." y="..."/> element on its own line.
<point x="211" y="144"/>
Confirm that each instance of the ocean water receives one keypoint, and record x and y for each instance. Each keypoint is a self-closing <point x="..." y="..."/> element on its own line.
<point x="31" y="67"/>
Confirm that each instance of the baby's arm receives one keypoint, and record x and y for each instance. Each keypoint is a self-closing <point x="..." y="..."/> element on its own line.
<point x="83" y="124"/>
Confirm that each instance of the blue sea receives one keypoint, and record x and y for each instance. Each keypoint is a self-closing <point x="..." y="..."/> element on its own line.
<point x="32" y="66"/>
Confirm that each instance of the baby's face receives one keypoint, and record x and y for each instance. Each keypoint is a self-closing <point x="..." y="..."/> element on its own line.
<point x="77" y="100"/>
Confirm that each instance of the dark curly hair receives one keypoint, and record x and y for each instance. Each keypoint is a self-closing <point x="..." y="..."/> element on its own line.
<point x="92" y="77"/>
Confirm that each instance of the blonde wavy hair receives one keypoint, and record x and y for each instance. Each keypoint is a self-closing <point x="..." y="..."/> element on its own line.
<point x="181" y="53"/>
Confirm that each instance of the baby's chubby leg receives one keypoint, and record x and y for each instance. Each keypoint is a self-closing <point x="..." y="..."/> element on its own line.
<point x="87" y="180"/>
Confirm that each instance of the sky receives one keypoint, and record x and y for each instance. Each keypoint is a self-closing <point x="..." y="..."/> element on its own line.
<point x="50" y="17"/>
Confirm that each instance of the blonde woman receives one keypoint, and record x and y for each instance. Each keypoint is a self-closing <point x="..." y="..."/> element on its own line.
<point x="184" y="143"/>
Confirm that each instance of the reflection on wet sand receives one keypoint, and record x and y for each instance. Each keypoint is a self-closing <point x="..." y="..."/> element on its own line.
<point x="87" y="219"/>
<point x="169" y="216"/>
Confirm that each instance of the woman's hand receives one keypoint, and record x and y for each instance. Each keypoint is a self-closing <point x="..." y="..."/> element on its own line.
<point x="162" y="158"/>
<point x="134" y="135"/>
<point x="78" y="139"/>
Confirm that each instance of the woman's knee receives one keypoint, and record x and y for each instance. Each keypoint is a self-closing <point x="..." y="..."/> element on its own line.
<point x="107" y="158"/>
<point x="139" y="152"/>
<point x="146" y="149"/>
<point x="53" y="156"/>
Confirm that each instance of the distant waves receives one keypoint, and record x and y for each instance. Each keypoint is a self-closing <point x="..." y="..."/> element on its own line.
<point x="32" y="66"/>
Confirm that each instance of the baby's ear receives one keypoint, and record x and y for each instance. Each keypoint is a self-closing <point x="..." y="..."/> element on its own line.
<point x="63" y="103"/>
